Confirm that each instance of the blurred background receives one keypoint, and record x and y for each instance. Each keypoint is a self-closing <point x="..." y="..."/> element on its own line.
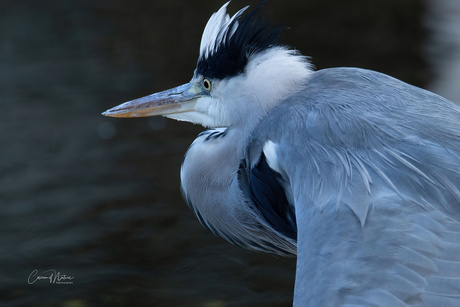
<point x="98" y="199"/>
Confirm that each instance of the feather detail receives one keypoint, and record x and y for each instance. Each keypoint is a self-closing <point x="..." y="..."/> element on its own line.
<point x="228" y="43"/>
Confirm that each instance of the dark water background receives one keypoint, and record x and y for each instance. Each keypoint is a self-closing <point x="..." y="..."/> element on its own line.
<point x="97" y="198"/>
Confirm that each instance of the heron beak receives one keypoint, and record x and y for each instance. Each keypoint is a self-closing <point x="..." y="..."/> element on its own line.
<point x="176" y="100"/>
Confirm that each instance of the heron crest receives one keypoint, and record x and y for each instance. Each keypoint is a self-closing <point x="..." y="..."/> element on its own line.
<point x="228" y="43"/>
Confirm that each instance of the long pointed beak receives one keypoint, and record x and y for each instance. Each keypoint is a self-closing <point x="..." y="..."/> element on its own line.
<point x="176" y="100"/>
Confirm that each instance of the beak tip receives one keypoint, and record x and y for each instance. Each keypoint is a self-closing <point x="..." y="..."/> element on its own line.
<point x="109" y="113"/>
<point x="176" y="100"/>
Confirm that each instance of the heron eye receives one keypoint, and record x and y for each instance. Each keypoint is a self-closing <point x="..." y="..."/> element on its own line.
<point x="207" y="84"/>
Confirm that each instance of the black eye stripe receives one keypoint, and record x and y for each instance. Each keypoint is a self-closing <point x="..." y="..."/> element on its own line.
<point x="231" y="52"/>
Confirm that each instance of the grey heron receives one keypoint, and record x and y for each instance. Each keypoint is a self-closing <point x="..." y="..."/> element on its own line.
<point x="353" y="171"/>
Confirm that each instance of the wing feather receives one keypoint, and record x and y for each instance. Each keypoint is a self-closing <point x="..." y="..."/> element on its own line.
<point x="373" y="165"/>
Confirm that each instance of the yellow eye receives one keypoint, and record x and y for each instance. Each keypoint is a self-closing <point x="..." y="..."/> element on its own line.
<point x="207" y="84"/>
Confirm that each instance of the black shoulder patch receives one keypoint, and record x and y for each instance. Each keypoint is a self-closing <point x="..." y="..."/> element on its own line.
<point x="269" y="198"/>
<point x="253" y="35"/>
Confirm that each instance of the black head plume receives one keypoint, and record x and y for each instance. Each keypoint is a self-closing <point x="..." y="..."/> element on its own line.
<point x="237" y="41"/>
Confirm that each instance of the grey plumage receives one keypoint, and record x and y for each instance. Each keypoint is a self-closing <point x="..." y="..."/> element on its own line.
<point x="378" y="184"/>
<point x="353" y="171"/>
<point x="373" y="176"/>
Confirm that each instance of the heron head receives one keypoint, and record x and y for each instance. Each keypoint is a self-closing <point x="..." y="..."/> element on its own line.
<point x="242" y="72"/>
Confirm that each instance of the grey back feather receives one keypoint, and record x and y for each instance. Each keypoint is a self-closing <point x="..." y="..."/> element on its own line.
<point x="374" y="170"/>
<point x="370" y="131"/>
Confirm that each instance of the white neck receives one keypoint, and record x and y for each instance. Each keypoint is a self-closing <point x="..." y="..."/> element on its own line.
<point x="269" y="78"/>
